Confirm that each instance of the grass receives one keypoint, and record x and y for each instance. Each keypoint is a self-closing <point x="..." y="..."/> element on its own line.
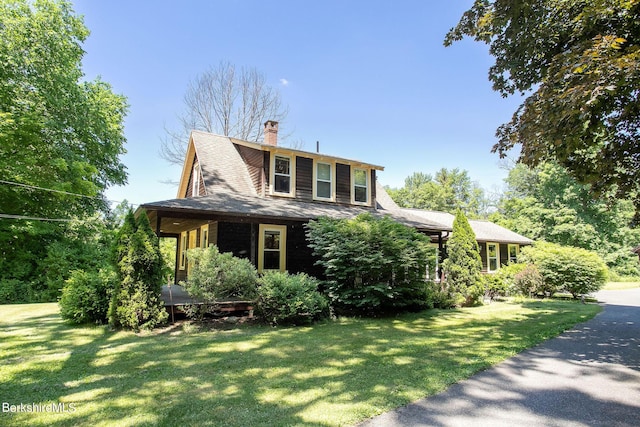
<point x="333" y="373"/>
<point x="616" y="286"/>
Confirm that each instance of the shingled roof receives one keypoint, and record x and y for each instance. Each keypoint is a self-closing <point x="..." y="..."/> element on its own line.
<point x="225" y="203"/>
<point x="485" y="231"/>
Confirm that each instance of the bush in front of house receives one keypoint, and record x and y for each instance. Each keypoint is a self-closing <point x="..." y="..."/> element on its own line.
<point x="373" y="265"/>
<point x="563" y="268"/>
<point x="215" y="276"/>
<point x="528" y="281"/>
<point x="463" y="266"/>
<point x="136" y="302"/>
<point x="290" y="299"/>
<point x="86" y="294"/>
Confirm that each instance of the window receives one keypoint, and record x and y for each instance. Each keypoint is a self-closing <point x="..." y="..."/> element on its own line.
<point x="360" y="186"/>
<point x="282" y="177"/>
<point x="183" y="250"/>
<point x="493" y="257"/>
<point x="204" y="236"/>
<point x="513" y="253"/>
<point x="195" y="178"/>
<point x="272" y="247"/>
<point x="323" y="181"/>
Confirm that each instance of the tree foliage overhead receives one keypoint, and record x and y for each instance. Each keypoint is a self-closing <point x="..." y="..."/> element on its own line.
<point x="57" y="132"/>
<point x="226" y="101"/>
<point x="579" y="60"/>
<point x="447" y="191"/>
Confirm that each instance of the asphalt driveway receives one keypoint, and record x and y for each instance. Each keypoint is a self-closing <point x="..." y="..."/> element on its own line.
<point x="588" y="376"/>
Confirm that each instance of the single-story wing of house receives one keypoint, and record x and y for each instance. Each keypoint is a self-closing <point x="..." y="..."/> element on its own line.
<point x="254" y="199"/>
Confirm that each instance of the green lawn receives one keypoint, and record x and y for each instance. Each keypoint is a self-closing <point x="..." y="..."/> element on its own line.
<point x="615" y="286"/>
<point x="334" y="373"/>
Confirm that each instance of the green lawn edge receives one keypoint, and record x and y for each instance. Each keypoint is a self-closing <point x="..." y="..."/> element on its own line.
<point x="335" y="373"/>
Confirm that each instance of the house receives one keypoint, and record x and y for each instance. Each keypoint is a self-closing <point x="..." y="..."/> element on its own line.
<point x="637" y="251"/>
<point x="498" y="245"/>
<point x="254" y="199"/>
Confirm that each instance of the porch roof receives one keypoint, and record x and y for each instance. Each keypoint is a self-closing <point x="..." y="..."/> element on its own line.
<point x="241" y="207"/>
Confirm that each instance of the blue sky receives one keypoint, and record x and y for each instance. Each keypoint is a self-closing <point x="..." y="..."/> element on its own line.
<point x="370" y="80"/>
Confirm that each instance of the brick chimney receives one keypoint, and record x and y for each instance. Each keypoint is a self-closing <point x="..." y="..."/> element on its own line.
<point x="271" y="132"/>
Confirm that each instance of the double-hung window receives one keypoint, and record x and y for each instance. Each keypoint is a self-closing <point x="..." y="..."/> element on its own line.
<point x="513" y="253"/>
<point x="360" y="186"/>
<point x="282" y="175"/>
<point x="272" y="247"/>
<point x="493" y="257"/>
<point x="323" y="181"/>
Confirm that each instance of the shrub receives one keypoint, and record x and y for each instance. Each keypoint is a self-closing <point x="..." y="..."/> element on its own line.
<point x="290" y="299"/>
<point x="528" y="281"/>
<point x="463" y="265"/>
<point x="85" y="296"/>
<point x="373" y="265"/>
<point x="495" y="285"/>
<point x="216" y="276"/>
<point x="136" y="302"/>
<point x="577" y="271"/>
<point x="14" y="291"/>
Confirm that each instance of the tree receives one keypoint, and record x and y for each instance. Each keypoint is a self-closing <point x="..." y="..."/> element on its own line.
<point x="579" y="61"/>
<point x="463" y="266"/>
<point x="57" y="131"/>
<point x="136" y="302"/>
<point x="447" y="191"/>
<point x="546" y="203"/>
<point x="225" y="101"/>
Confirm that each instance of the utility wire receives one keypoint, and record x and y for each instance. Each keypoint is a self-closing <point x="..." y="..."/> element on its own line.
<point x="31" y="218"/>
<point x="33" y="187"/>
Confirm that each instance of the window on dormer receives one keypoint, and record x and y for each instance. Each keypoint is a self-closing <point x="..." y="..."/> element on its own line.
<point x="324" y="181"/>
<point x="282" y="175"/>
<point x="360" y="186"/>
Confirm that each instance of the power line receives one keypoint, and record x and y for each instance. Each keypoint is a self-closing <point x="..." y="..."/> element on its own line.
<point x="33" y="187"/>
<point x="32" y="218"/>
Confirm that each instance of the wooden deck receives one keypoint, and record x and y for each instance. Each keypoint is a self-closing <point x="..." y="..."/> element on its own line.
<point x="175" y="297"/>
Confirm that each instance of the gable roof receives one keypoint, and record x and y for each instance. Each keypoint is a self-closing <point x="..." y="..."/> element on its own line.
<point x="221" y="165"/>
<point x="485" y="231"/>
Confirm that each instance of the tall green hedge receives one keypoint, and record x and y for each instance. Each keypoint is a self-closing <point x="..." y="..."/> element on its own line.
<point x="373" y="264"/>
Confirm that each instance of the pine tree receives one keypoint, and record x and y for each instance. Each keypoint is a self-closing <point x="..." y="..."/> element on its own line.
<point x="463" y="265"/>
<point x="136" y="302"/>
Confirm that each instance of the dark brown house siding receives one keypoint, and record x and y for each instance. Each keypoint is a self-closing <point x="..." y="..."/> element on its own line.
<point x="255" y="161"/>
<point x="300" y="258"/>
<point x="343" y="183"/>
<point x="235" y="238"/>
<point x="304" y="178"/>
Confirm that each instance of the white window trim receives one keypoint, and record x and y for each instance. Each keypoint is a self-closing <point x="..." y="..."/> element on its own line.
<point x="489" y="270"/>
<point x="283" y="245"/>
<point x="183" y="250"/>
<point x="292" y="175"/>
<point x="353" y="186"/>
<point x="509" y="246"/>
<point x="332" y="181"/>
<point x="204" y="236"/>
